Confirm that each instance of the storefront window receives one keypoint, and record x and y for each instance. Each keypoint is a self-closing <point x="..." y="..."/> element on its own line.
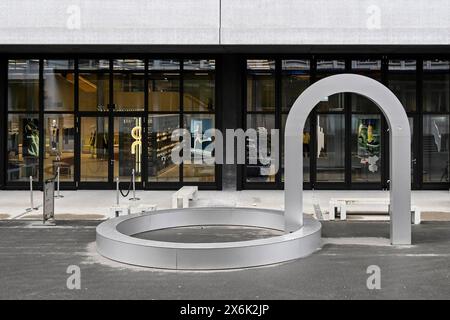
<point x="128" y="147"/>
<point x="260" y="169"/>
<point x="59" y="146"/>
<point x="330" y="148"/>
<point x="436" y="86"/>
<point x="93" y="85"/>
<point x="435" y="148"/>
<point x="260" y="85"/>
<point x="402" y="82"/>
<point x="94" y="149"/>
<point x="335" y="102"/>
<point x="307" y="145"/>
<point x="198" y="124"/>
<point x="366" y="148"/>
<point x="371" y="69"/>
<point x="295" y="79"/>
<point x="128" y="85"/>
<point x="199" y="85"/>
<point x="59" y="82"/>
<point x="23" y="147"/>
<point x="160" y="165"/>
<point x="164" y="91"/>
<point x="23" y="85"/>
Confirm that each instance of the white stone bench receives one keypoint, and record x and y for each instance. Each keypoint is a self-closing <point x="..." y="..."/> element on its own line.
<point x="119" y="210"/>
<point x="341" y="204"/>
<point x="180" y="199"/>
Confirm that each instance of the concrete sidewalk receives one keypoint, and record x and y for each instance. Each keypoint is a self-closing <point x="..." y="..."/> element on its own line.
<point x="94" y="204"/>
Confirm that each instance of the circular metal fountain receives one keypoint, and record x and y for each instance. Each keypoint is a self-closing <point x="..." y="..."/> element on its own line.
<point x="115" y="239"/>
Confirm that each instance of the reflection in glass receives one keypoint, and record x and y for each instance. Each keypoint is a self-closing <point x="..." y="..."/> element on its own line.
<point x="23" y="85"/>
<point x="127" y="147"/>
<point x="161" y="64"/>
<point x="306" y="148"/>
<point x="260" y="91"/>
<point x="366" y="148"/>
<point x="327" y="65"/>
<point x="199" y="91"/>
<point x="94" y="149"/>
<point x="402" y="82"/>
<point x="58" y="85"/>
<point x="436" y="86"/>
<point x="293" y="81"/>
<point x="164" y="91"/>
<point x="261" y="64"/>
<point x="198" y="124"/>
<point x="435" y="148"/>
<point x="330" y="148"/>
<point x="128" y="64"/>
<point x="23" y="147"/>
<point x="256" y="171"/>
<point x="93" y="91"/>
<point x="128" y="91"/>
<point x="160" y="165"/>
<point x="59" y="146"/>
<point x="199" y="64"/>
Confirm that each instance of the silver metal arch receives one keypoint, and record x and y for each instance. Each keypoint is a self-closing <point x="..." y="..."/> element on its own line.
<point x="400" y="149"/>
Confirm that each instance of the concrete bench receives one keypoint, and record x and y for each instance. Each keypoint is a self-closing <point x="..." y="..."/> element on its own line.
<point x="341" y="204"/>
<point x="180" y="199"/>
<point x="119" y="210"/>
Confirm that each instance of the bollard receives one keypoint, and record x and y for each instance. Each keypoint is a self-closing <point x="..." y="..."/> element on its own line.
<point x="117" y="191"/>
<point x="58" y="195"/>
<point x="32" y="207"/>
<point x="133" y="181"/>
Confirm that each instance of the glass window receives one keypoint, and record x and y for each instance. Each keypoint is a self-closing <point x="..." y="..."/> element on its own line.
<point x="435" y="148"/>
<point x="366" y="65"/>
<point x="23" y="85"/>
<point x="167" y="64"/>
<point x="366" y="148"/>
<point x="58" y="85"/>
<point x="59" y="146"/>
<point x="93" y="64"/>
<point x="330" y="148"/>
<point x="129" y="64"/>
<point x="333" y="103"/>
<point x="164" y="91"/>
<point x="198" y="124"/>
<point x="260" y="85"/>
<point x="330" y="65"/>
<point x="199" y="91"/>
<point x="257" y="171"/>
<point x="160" y="165"/>
<point x="23" y="147"/>
<point x="199" y="64"/>
<point x="93" y="91"/>
<point x="306" y="148"/>
<point x="127" y="147"/>
<point x="295" y="79"/>
<point x="128" y="91"/>
<point x="402" y="82"/>
<point x="94" y="149"/>
<point x="436" y="86"/>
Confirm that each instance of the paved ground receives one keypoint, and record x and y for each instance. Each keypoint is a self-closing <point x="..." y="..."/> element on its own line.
<point x="34" y="260"/>
<point x="90" y="204"/>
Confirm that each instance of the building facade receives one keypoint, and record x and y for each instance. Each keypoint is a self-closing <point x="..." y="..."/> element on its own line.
<point x="95" y="91"/>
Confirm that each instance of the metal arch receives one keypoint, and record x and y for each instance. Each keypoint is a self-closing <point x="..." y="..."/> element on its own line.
<point x="400" y="149"/>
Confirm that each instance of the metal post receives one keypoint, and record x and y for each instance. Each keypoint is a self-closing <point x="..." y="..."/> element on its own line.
<point x="133" y="181"/>
<point x="32" y="207"/>
<point x="117" y="191"/>
<point x="58" y="195"/>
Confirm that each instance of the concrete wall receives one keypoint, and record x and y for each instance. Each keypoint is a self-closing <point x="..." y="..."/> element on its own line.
<point x="214" y="22"/>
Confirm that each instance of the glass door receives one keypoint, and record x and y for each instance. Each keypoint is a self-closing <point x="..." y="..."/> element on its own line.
<point x="95" y="149"/>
